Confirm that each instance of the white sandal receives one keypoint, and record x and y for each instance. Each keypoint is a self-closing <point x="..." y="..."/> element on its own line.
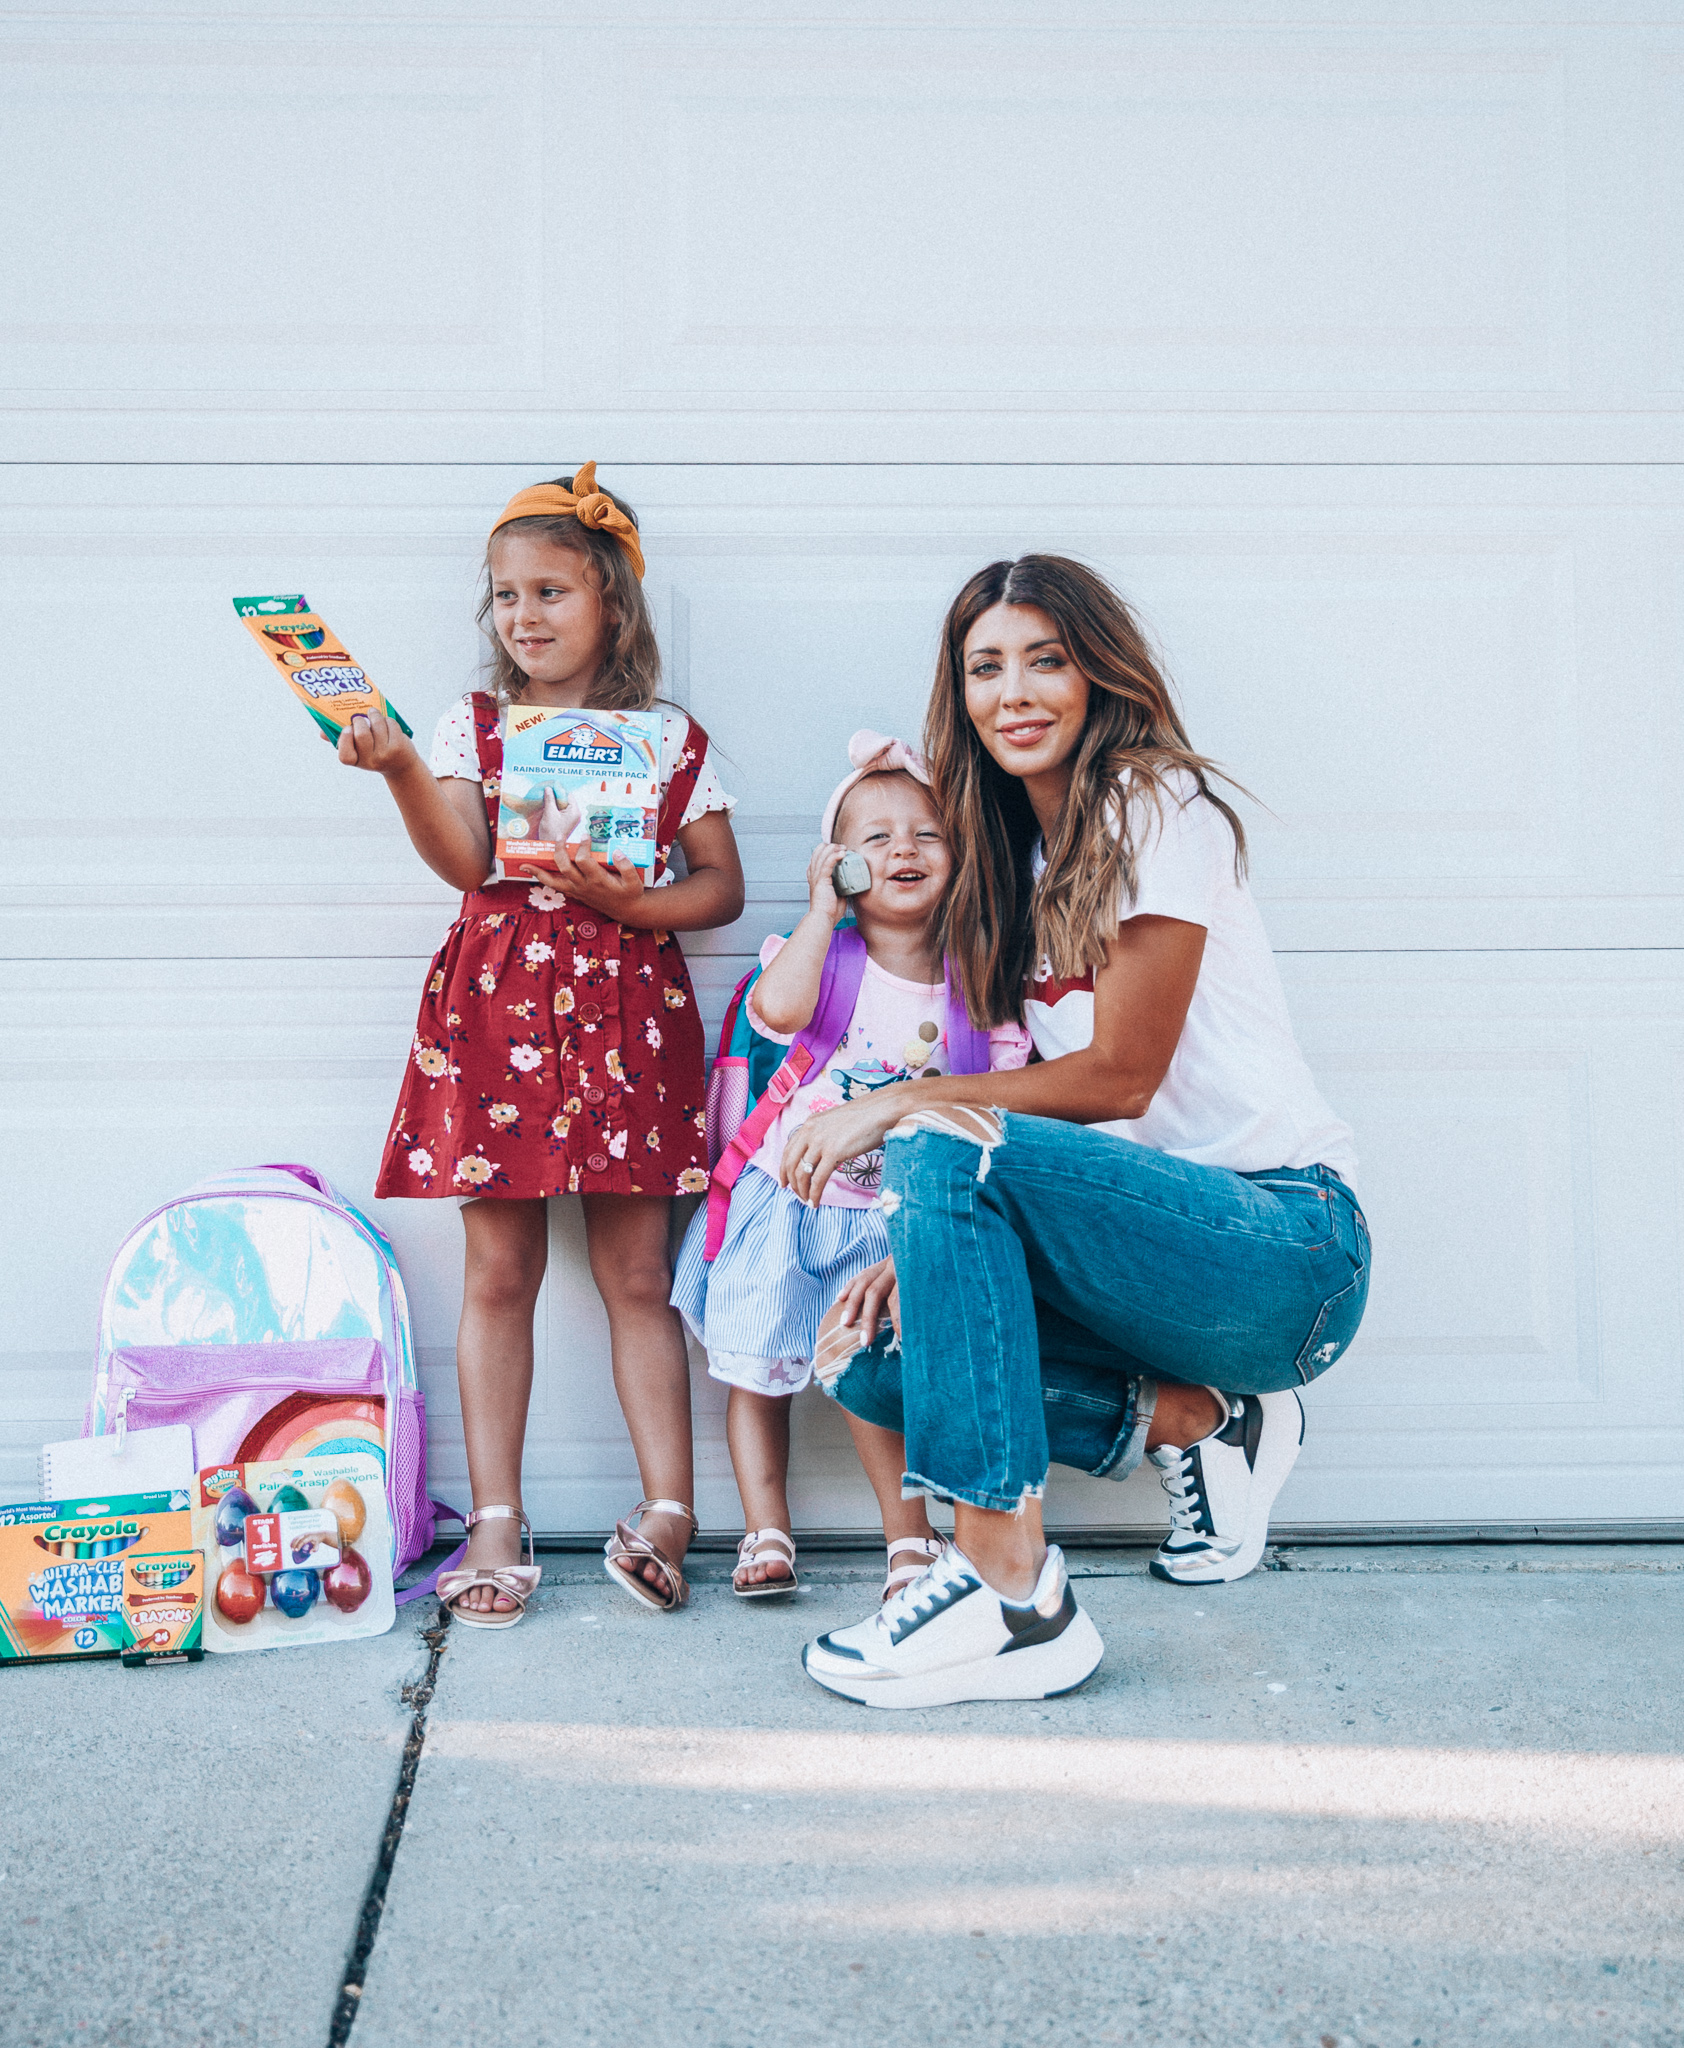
<point x="929" y="1548"/>
<point x="516" y="1582"/>
<point x="782" y="1549"/>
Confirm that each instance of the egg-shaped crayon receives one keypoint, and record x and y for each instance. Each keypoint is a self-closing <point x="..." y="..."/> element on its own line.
<point x="294" y="1593"/>
<point x="231" y="1513"/>
<point x="347" y="1508"/>
<point x="288" y="1501"/>
<point x="346" y="1584"/>
<point x="239" y="1595"/>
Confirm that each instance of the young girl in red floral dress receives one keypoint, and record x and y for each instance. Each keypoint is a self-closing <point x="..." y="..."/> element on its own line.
<point x="558" y="1049"/>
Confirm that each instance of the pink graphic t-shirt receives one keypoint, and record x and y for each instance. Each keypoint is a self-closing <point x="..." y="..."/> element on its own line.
<point x="898" y="1029"/>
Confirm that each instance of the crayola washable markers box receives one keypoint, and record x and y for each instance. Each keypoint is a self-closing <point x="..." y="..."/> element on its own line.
<point x="324" y="678"/>
<point x="62" y="1569"/>
<point x="601" y="771"/>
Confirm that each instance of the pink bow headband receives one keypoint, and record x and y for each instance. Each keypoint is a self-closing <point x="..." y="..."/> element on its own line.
<point x="872" y="753"/>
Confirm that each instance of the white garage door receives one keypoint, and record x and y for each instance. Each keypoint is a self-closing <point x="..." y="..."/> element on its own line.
<point x="1353" y="354"/>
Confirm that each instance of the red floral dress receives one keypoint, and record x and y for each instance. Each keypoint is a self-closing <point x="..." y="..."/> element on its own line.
<point x="557" y="1051"/>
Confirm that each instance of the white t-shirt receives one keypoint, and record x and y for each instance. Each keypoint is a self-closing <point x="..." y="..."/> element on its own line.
<point x="1237" y="1093"/>
<point x="899" y="1028"/>
<point x="455" y="753"/>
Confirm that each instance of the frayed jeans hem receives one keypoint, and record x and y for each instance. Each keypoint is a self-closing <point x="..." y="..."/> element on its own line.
<point x="1129" y="1449"/>
<point x="914" y="1486"/>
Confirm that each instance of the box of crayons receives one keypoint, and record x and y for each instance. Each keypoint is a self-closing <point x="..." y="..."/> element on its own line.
<point x="163" y="1610"/>
<point x="62" y="1569"/>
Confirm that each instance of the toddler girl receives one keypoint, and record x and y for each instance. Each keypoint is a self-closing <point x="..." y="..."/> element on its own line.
<point x="757" y="1305"/>
<point x="558" y="1050"/>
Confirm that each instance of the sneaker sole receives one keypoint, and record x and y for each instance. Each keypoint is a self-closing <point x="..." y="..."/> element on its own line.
<point x="1047" y="1672"/>
<point x="1276" y="1456"/>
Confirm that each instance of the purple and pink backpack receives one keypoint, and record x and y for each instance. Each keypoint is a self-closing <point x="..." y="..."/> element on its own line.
<point x="754" y="1076"/>
<point x="262" y="1308"/>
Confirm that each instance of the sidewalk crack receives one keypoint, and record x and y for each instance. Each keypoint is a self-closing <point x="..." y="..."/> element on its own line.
<point x="417" y="1697"/>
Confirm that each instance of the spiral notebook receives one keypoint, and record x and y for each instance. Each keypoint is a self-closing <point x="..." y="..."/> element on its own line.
<point x="138" y="1461"/>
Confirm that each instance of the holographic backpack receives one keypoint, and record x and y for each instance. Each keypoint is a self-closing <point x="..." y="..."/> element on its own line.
<point x="267" y="1312"/>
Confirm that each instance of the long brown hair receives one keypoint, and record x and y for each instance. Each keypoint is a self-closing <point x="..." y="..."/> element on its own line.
<point x="999" y="921"/>
<point x="630" y="677"/>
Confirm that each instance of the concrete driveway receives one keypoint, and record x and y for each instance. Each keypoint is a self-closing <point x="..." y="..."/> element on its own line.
<point x="1389" y="1797"/>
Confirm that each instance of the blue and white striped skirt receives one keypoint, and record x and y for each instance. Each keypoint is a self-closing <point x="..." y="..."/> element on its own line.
<point x="758" y="1307"/>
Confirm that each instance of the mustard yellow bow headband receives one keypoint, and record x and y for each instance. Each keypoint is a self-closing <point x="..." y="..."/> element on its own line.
<point x="585" y="502"/>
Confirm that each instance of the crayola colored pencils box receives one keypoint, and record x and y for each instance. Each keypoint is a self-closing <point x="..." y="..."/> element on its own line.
<point x="586" y="780"/>
<point x="62" y="1568"/>
<point x="308" y="653"/>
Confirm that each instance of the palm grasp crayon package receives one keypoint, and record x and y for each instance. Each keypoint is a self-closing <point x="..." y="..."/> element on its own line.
<point x="308" y="653"/>
<point x="63" y="1566"/>
<point x="295" y="1551"/>
<point x="600" y="770"/>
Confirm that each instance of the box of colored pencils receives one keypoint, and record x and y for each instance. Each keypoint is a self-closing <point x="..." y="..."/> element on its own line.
<point x="62" y="1571"/>
<point x="163" y="1606"/>
<point x="308" y="653"/>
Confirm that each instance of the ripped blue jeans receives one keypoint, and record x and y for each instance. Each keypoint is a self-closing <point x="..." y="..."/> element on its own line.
<point x="1050" y="1276"/>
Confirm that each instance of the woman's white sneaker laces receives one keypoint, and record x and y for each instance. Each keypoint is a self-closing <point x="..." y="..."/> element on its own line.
<point x="1221" y="1489"/>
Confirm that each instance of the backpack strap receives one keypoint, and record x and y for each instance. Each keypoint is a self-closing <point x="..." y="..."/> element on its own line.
<point x="967" y="1047"/>
<point x="728" y="1030"/>
<point x="442" y="1511"/>
<point x="751" y="1134"/>
<point x="839" y="992"/>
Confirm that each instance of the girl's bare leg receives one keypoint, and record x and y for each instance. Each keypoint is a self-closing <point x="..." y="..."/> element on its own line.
<point x="757" y="1429"/>
<point x="883" y="1454"/>
<point x="507" y="1244"/>
<point x="881" y="1451"/>
<point x="631" y="1263"/>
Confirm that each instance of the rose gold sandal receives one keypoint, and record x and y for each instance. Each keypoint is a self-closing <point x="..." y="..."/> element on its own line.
<point x="516" y="1582"/>
<point x="626" y="1542"/>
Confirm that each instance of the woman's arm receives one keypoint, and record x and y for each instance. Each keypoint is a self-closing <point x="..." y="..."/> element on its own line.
<point x="787" y="992"/>
<point x="1140" y="1001"/>
<point x="710" y="895"/>
<point x="445" y="820"/>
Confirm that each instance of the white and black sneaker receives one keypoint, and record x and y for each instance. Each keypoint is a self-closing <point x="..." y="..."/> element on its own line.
<point x="1222" y="1488"/>
<point x="948" y="1637"/>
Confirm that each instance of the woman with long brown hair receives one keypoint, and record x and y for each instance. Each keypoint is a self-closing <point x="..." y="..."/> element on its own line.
<point x="1141" y="1244"/>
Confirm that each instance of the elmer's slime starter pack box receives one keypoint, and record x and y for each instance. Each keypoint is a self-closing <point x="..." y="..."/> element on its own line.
<point x="324" y="678"/>
<point x="62" y="1571"/>
<point x="295" y="1551"/>
<point x="601" y="771"/>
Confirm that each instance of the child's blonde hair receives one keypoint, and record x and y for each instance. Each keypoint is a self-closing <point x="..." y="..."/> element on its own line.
<point x="630" y="678"/>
